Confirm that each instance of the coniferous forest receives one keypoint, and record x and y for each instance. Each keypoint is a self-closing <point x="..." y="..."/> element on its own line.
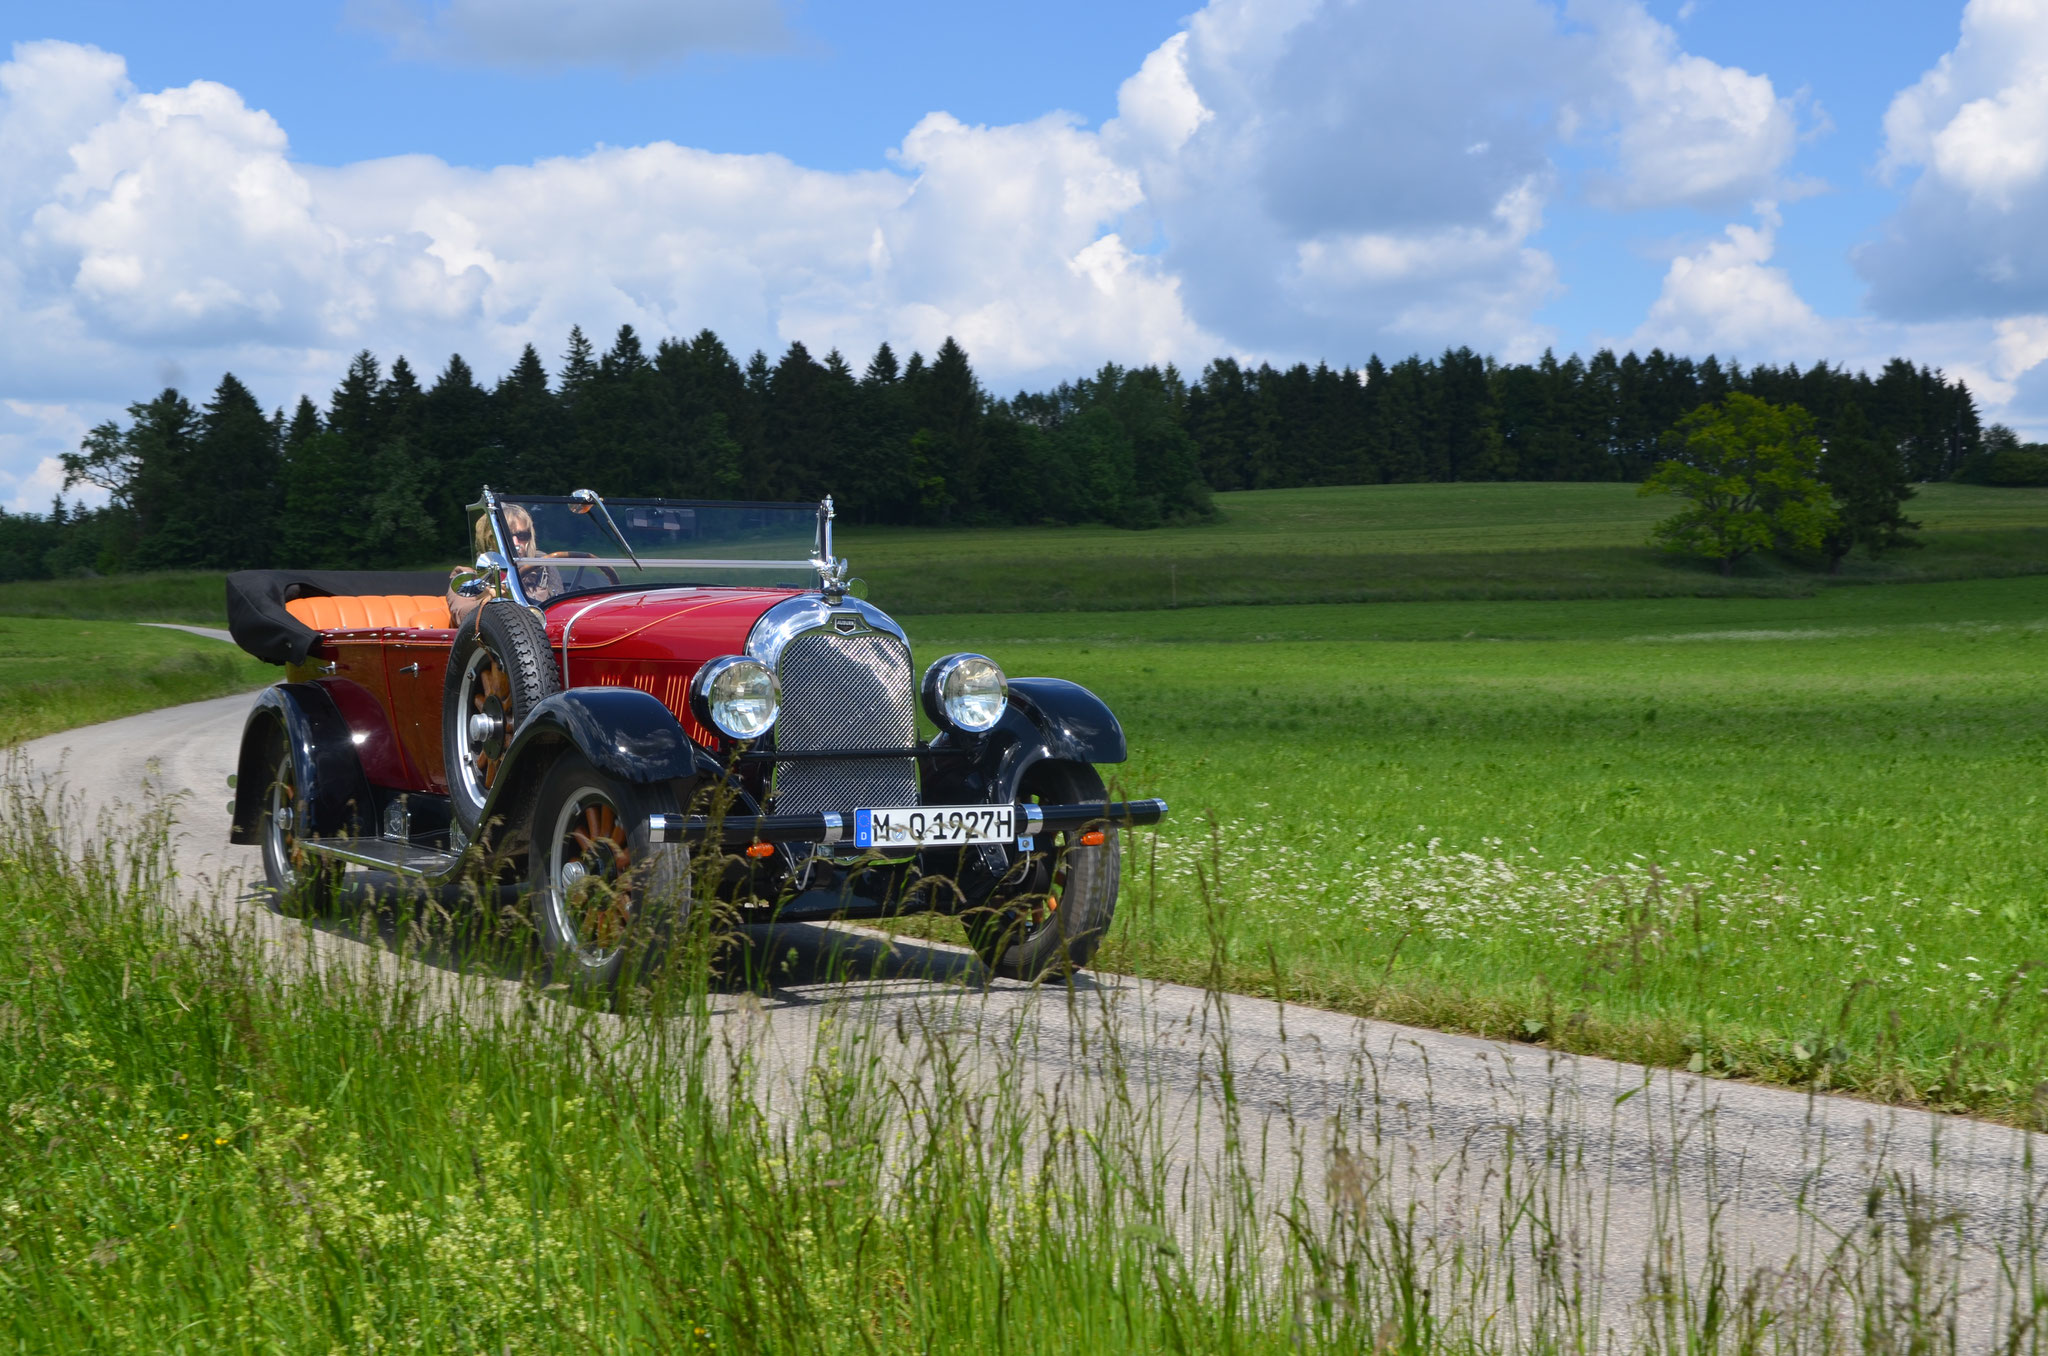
<point x="381" y="475"/>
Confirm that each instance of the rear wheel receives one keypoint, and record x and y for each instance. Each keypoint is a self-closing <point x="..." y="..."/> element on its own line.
<point x="499" y="671"/>
<point x="301" y="884"/>
<point x="1050" y="909"/>
<point x="605" y="897"/>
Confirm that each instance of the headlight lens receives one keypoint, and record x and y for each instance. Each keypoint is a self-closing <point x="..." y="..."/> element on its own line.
<point x="965" y="692"/>
<point x="735" y="696"/>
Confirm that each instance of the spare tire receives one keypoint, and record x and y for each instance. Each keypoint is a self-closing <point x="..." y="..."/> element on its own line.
<point x="499" y="671"/>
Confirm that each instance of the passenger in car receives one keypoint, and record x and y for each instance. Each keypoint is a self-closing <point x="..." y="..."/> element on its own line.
<point x="540" y="582"/>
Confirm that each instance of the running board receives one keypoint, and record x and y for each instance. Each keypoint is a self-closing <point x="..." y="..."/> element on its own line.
<point x="382" y="854"/>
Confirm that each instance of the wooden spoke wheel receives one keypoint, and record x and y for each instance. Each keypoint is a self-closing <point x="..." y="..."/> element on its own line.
<point x="499" y="670"/>
<point x="301" y="884"/>
<point x="604" y="895"/>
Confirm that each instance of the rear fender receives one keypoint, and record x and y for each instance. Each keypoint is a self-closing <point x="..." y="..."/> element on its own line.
<point x="1047" y="719"/>
<point x="624" y="732"/>
<point x="337" y="795"/>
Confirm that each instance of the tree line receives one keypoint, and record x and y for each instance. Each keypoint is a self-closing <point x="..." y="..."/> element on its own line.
<point x="381" y="475"/>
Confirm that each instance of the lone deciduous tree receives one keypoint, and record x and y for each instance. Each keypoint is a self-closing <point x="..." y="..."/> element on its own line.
<point x="1751" y="470"/>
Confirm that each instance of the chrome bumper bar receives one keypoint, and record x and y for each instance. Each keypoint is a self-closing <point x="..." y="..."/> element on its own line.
<point x="741" y="830"/>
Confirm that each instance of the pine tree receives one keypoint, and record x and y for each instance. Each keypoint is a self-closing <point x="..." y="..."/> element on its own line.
<point x="579" y="367"/>
<point x="356" y="410"/>
<point x="1869" y="484"/>
<point x="458" y="447"/>
<point x="229" y="512"/>
<point x="326" y="507"/>
<point x="882" y="369"/>
<point x="305" y="422"/>
<point x="525" y="446"/>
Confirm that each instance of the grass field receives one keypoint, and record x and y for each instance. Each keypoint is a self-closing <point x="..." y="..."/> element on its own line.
<point x="195" y="596"/>
<point x="1369" y="543"/>
<point x="1379" y="543"/>
<point x="216" y="1142"/>
<point x="57" y="674"/>
<point x="1796" y="839"/>
<point x="1790" y="832"/>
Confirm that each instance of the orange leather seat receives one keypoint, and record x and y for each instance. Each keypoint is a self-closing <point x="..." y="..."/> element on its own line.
<point x="374" y="612"/>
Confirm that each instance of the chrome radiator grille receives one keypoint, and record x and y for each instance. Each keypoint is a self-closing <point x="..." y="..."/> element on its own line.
<point x="845" y="692"/>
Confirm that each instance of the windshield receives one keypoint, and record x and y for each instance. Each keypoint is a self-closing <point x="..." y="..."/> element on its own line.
<point x="564" y="545"/>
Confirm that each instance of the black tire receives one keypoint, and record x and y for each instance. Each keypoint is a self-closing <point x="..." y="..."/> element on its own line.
<point x="1049" y="909"/>
<point x="499" y="669"/>
<point x="301" y="885"/>
<point x="605" y="898"/>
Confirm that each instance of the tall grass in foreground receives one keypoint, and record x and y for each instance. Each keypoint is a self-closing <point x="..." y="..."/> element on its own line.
<point x="224" y="1133"/>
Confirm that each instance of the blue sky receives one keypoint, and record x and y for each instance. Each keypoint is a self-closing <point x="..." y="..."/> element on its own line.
<point x="268" y="188"/>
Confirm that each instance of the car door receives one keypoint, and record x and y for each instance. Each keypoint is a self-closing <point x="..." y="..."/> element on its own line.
<point x="351" y="666"/>
<point x="416" y="666"/>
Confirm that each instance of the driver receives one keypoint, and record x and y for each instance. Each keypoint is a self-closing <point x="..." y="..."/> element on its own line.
<point x="541" y="582"/>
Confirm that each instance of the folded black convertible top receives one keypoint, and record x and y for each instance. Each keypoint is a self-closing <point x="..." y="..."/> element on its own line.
<point x="256" y="599"/>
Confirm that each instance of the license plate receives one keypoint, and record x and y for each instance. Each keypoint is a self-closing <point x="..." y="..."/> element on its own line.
<point x="935" y="826"/>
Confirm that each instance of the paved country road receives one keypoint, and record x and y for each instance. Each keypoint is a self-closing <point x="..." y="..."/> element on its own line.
<point x="1624" y="1158"/>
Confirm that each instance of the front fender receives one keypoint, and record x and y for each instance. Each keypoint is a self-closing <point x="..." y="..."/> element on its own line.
<point x="624" y="732"/>
<point x="332" y="785"/>
<point x="1047" y="718"/>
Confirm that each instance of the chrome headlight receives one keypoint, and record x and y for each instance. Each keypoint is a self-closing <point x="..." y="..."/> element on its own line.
<point x="735" y="696"/>
<point x="965" y="692"/>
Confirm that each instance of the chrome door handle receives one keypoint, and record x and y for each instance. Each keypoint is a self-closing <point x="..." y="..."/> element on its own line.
<point x="410" y="668"/>
<point x="329" y="669"/>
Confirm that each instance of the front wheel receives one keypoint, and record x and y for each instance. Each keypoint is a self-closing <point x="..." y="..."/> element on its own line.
<point x="1049" y="909"/>
<point x="605" y="896"/>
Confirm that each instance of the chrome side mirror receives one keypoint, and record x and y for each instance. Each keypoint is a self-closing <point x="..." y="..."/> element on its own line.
<point x="484" y="577"/>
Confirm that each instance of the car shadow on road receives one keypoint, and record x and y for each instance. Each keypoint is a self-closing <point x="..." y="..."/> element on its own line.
<point x="790" y="964"/>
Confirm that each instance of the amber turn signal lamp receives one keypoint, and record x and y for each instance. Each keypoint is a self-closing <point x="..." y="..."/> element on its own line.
<point x="760" y="849"/>
<point x="1092" y="838"/>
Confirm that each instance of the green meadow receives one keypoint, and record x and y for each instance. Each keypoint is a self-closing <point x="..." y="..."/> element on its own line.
<point x="1474" y="756"/>
<point x="1344" y="543"/>
<point x="56" y="674"/>
<point x="1797" y="839"/>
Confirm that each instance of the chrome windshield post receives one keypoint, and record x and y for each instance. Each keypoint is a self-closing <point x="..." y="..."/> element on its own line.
<point x="494" y="510"/>
<point x="586" y="500"/>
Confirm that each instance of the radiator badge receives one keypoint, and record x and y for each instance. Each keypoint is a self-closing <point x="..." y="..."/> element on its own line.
<point x="847" y="623"/>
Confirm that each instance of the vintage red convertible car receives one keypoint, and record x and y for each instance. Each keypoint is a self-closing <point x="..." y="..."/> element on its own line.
<point x="641" y="705"/>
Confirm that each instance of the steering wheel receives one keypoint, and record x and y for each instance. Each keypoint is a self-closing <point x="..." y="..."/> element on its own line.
<point x="611" y="575"/>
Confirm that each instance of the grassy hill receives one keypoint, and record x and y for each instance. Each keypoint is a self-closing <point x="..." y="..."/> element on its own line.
<point x="1377" y="543"/>
<point x="1359" y="543"/>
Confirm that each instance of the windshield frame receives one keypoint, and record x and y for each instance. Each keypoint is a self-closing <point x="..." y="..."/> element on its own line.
<point x="507" y="566"/>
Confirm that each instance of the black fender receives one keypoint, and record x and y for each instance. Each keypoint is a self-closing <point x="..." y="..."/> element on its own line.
<point x="1047" y="718"/>
<point x="337" y="794"/>
<point x="624" y="732"/>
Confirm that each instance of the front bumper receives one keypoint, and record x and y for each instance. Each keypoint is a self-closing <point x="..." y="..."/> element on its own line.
<point x="738" y="831"/>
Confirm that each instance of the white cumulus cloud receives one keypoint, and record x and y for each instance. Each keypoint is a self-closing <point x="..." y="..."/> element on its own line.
<point x="1726" y="297"/>
<point x="1687" y="130"/>
<point x="1974" y="132"/>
